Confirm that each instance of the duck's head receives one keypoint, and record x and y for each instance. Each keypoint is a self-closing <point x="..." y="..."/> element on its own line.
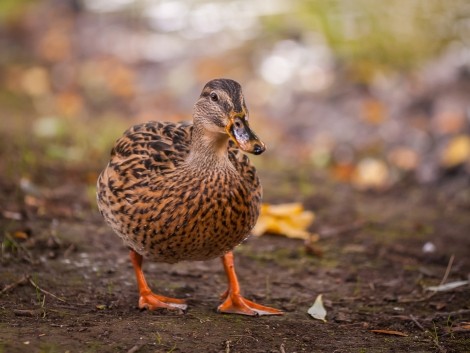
<point x="221" y="109"/>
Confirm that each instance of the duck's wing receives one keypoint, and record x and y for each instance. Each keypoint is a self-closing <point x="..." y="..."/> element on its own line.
<point x="160" y="146"/>
<point x="143" y="151"/>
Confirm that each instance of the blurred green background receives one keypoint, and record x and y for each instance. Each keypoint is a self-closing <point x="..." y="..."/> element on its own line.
<point x="368" y="93"/>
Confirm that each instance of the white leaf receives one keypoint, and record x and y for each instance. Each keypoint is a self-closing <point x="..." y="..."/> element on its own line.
<point x="317" y="310"/>
<point x="448" y="286"/>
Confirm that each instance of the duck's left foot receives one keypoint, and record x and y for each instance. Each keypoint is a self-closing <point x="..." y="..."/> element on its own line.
<point x="236" y="304"/>
<point x="152" y="301"/>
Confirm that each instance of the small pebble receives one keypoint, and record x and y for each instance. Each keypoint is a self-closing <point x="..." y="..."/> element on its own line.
<point x="429" y="247"/>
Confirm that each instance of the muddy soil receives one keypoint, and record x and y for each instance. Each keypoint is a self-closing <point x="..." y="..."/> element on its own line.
<point x="68" y="286"/>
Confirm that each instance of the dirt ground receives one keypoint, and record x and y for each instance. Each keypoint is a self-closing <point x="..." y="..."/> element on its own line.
<point x="68" y="286"/>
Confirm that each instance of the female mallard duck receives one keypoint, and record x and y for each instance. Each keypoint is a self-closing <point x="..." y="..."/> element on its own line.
<point x="176" y="192"/>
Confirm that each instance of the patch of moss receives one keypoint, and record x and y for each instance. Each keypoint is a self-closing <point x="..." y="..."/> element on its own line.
<point x="48" y="347"/>
<point x="461" y="344"/>
<point x="369" y="309"/>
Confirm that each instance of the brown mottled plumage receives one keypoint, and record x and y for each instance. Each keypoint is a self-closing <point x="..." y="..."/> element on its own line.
<point x="175" y="192"/>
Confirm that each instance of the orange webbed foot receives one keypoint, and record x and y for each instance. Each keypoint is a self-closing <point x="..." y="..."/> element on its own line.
<point x="151" y="301"/>
<point x="236" y="304"/>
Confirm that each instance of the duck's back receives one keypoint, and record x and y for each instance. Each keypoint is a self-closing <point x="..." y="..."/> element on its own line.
<point x="166" y="213"/>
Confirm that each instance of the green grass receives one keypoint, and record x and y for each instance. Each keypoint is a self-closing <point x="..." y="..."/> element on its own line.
<point x="370" y="36"/>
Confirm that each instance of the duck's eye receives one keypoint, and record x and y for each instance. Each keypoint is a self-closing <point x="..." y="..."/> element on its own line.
<point x="214" y="97"/>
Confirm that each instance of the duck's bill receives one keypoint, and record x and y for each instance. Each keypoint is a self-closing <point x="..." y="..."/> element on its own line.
<point x="244" y="137"/>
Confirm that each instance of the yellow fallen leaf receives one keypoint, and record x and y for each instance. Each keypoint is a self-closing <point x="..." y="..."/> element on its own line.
<point x="288" y="219"/>
<point x="282" y="210"/>
<point x="291" y="231"/>
<point x="302" y="220"/>
<point x="456" y="152"/>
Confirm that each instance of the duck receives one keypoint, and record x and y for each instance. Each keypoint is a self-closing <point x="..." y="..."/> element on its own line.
<point x="187" y="192"/>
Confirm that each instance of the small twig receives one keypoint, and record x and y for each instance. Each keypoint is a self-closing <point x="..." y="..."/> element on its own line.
<point x="449" y="267"/>
<point x="438" y="345"/>
<point x="444" y="279"/>
<point x="45" y="291"/>
<point x="435" y="339"/>
<point x="268" y="288"/>
<point x="28" y="313"/>
<point x="452" y="313"/>
<point x="69" y="250"/>
<point x="417" y="323"/>
<point x="242" y="336"/>
<point x="21" y="281"/>
<point x="75" y="306"/>
<point x="136" y="348"/>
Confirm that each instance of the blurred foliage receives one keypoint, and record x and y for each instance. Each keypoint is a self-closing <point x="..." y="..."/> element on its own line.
<point x="67" y="93"/>
<point x="371" y="35"/>
<point x="11" y="9"/>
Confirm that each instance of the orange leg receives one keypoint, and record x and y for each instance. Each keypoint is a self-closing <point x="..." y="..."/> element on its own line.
<point x="234" y="303"/>
<point x="149" y="300"/>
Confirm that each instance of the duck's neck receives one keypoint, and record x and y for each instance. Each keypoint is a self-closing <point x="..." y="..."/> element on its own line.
<point x="208" y="149"/>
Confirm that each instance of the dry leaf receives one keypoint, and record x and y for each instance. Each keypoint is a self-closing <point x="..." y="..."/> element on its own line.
<point x="374" y="111"/>
<point x="456" y="152"/>
<point x="55" y="44"/>
<point x="461" y="327"/>
<point x="449" y="121"/>
<point x="282" y="210"/>
<point x="17" y="216"/>
<point x="390" y="332"/>
<point x="343" y="171"/>
<point x="317" y="310"/>
<point x="404" y="158"/>
<point x="438" y="305"/>
<point x="21" y="235"/>
<point x="36" y="81"/>
<point x="289" y="219"/>
<point x="371" y="173"/>
<point x="69" y="103"/>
